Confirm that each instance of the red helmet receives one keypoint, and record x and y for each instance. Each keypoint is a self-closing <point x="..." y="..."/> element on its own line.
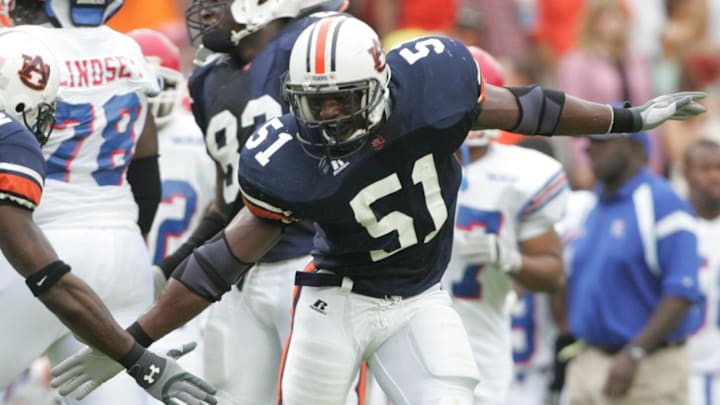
<point x="164" y="56"/>
<point x="492" y="73"/>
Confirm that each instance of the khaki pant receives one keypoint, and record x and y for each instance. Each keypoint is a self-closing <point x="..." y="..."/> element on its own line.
<point x="661" y="379"/>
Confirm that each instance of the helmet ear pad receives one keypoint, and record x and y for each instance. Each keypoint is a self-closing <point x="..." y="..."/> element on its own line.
<point x="339" y="58"/>
<point x="78" y="13"/>
<point x="31" y="75"/>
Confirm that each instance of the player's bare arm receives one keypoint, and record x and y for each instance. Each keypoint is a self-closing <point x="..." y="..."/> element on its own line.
<point x="667" y="315"/>
<point x="210" y="272"/>
<point x="534" y="110"/>
<point x="542" y="263"/>
<point x="77" y="306"/>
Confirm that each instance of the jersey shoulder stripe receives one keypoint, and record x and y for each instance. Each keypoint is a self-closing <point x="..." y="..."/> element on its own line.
<point x="551" y="189"/>
<point x="19" y="188"/>
<point x="264" y="210"/>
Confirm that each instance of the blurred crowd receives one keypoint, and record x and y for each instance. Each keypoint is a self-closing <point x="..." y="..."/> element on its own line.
<point x="609" y="51"/>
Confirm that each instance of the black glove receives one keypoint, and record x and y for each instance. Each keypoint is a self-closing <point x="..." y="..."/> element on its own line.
<point x="562" y="341"/>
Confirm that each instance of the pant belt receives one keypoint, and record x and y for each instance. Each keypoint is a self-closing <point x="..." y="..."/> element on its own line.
<point x="663" y="345"/>
<point x="314" y="279"/>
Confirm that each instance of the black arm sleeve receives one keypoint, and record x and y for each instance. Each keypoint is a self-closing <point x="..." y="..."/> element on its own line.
<point x="540" y="109"/>
<point x="143" y="175"/>
<point x="212" y="223"/>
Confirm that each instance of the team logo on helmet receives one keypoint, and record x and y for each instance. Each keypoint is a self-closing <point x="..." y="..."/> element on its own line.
<point x="34" y="72"/>
<point x="378" y="55"/>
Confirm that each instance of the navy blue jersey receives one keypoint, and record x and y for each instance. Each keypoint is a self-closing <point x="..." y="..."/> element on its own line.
<point x="384" y="215"/>
<point x="22" y="166"/>
<point x="228" y="114"/>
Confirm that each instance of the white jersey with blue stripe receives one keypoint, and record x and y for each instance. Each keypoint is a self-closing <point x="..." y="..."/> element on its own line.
<point x="104" y="79"/>
<point x="188" y="184"/>
<point x="705" y="342"/>
<point x="516" y="201"/>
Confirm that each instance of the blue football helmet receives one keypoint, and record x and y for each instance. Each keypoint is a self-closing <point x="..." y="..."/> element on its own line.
<point x="81" y="13"/>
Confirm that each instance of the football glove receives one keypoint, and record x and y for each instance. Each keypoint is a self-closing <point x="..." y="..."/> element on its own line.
<point x="676" y="106"/>
<point x="482" y="248"/>
<point x="562" y="343"/>
<point x="160" y="376"/>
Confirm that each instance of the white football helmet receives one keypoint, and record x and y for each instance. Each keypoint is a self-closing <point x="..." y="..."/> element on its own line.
<point x="205" y="15"/>
<point x="29" y="81"/>
<point x="164" y="57"/>
<point x="337" y="58"/>
<point x="81" y="13"/>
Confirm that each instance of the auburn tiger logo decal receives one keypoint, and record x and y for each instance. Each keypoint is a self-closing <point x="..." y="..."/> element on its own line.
<point x="378" y="55"/>
<point x="34" y="72"/>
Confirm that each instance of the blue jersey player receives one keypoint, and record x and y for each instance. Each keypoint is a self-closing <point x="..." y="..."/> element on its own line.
<point x="30" y="75"/>
<point x="367" y="154"/>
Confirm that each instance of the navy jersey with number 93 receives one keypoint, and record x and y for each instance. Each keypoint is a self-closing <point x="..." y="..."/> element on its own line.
<point x="384" y="215"/>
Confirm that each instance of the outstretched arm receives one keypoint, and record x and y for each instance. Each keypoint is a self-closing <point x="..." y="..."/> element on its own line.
<point x="200" y="280"/>
<point x="209" y="272"/>
<point x="533" y="110"/>
<point x="82" y="311"/>
<point x="69" y="298"/>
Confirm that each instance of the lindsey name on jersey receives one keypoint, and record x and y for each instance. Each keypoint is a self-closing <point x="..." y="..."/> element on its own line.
<point x="385" y="213"/>
<point x="95" y="72"/>
<point x="22" y="167"/>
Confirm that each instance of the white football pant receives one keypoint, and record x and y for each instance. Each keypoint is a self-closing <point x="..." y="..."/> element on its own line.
<point x="416" y="348"/>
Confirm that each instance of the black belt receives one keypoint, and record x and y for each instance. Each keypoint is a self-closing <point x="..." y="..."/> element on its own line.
<point x="663" y="345"/>
<point x="314" y="279"/>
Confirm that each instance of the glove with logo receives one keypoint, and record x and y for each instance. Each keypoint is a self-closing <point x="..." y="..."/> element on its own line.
<point x="482" y="248"/>
<point x="160" y="376"/>
<point x="163" y="378"/>
<point x="676" y="106"/>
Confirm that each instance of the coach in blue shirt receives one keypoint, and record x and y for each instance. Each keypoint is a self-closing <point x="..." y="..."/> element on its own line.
<point x="632" y="284"/>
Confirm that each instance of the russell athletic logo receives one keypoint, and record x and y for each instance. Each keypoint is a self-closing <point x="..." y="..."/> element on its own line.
<point x="319" y="306"/>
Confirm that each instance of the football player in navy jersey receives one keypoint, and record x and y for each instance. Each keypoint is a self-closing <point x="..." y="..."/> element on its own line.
<point x="368" y="155"/>
<point x="30" y="74"/>
<point x="233" y="92"/>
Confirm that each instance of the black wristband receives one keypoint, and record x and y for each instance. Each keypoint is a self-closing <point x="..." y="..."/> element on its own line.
<point x="624" y="121"/>
<point x="141" y="337"/>
<point x="130" y="358"/>
<point x="43" y="279"/>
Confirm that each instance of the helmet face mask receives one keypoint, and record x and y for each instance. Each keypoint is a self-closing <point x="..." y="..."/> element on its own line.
<point x="341" y="135"/>
<point x="204" y="16"/>
<point x="349" y="78"/>
<point x="6" y="7"/>
<point x="40" y="121"/>
<point x="19" y="12"/>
